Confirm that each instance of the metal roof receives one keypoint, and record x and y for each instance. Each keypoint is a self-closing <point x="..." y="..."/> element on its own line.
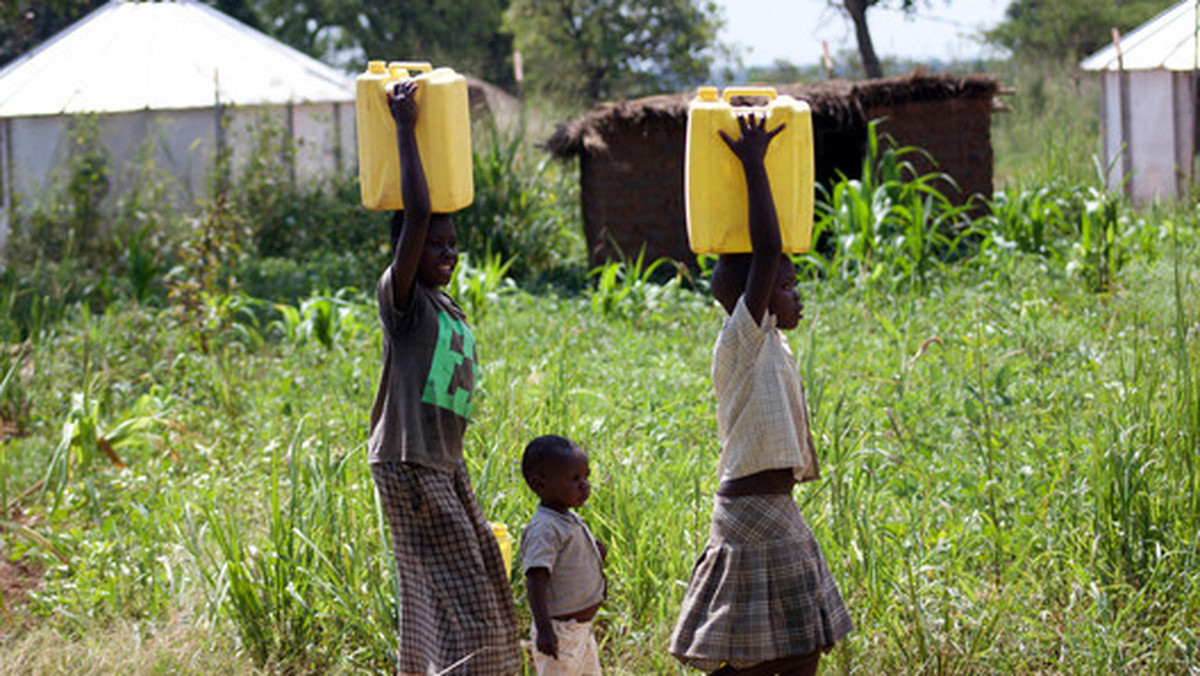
<point x="128" y="56"/>
<point x="1166" y="42"/>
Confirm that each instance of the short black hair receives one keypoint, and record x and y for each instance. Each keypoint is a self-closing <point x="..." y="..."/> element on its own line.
<point x="543" y="451"/>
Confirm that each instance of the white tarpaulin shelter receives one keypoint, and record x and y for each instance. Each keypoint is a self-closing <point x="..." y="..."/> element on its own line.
<point x="1148" y="104"/>
<point x="179" y="75"/>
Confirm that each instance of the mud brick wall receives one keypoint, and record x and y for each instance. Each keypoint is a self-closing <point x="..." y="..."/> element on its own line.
<point x="632" y="193"/>
<point x="957" y="133"/>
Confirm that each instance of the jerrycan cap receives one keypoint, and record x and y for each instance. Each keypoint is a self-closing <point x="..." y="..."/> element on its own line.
<point x="376" y="67"/>
<point x="707" y="94"/>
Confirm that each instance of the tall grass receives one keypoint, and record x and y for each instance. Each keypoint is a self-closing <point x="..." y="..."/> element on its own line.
<point x="893" y="226"/>
<point x="1007" y="475"/>
<point x="1052" y="127"/>
<point x="318" y="590"/>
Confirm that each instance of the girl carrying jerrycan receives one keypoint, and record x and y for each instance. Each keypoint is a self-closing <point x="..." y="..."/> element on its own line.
<point x="760" y="600"/>
<point x="456" y="612"/>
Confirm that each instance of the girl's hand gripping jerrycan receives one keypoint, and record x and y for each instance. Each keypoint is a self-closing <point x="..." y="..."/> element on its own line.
<point x="443" y="133"/>
<point x="715" y="185"/>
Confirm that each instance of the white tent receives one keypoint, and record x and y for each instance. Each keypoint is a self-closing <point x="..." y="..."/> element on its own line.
<point x="180" y="75"/>
<point x="1148" y="104"/>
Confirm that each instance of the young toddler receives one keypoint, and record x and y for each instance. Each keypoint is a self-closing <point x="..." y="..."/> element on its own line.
<point x="563" y="562"/>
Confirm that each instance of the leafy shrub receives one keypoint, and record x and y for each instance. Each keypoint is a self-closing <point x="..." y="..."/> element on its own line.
<point x="1090" y="227"/>
<point x="478" y="288"/>
<point x="1035" y="219"/>
<point x="525" y="208"/>
<point x="628" y="290"/>
<point x="284" y="279"/>
<point x="330" y="321"/>
<point x="295" y="219"/>
<point x="207" y="257"/>
<point x="893" y="224"/>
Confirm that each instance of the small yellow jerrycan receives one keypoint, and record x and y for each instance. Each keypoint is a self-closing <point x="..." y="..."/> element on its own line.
<point x="443" y="136"/>
<point x="506" y="544"/>
<point x="714" y="182"/>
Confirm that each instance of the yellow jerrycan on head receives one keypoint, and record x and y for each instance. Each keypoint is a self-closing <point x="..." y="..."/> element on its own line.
<point x="715" y="184"/>
<point x="443" y="135"/>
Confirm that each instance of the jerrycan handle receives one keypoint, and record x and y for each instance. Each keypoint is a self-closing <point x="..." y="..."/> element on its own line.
<point x="418" y="66"/>
<point x="731" y="92"/>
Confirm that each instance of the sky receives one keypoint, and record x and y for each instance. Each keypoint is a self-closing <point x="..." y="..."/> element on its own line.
<point x="792" y="30"/>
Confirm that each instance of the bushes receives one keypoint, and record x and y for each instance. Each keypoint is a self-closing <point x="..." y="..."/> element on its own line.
<point x="525" y="209"/>
<point x="894" y="227"/>
<point x="1088" y="229"/>
<point x="81" y="240"/>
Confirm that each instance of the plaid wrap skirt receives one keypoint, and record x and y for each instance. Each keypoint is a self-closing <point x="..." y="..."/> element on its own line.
<point x="760" y="590"/>
<point x="456" y="613"/>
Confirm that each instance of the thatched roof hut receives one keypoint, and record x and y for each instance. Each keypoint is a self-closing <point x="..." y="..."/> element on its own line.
<point x="632" y="152"/>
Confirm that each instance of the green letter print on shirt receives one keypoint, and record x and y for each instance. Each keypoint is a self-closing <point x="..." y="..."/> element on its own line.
<point x="452" y="373"/>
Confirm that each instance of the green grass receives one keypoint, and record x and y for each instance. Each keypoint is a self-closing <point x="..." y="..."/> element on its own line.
<point x="1008" y="473"/>
<point x="1051" y="129"/>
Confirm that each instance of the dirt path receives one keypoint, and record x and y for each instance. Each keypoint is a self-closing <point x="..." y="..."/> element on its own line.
<point x="16" y="579"/>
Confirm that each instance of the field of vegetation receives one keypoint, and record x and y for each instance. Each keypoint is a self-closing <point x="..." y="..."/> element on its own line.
<point x="1007" y="412"/>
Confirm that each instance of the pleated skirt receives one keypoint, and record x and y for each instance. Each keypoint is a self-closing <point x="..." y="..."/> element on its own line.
<point x="760" y="590"/>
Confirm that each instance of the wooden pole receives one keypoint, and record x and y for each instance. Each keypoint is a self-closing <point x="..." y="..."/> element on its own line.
<point x="6" y="179"/>
<point x="1190" y="153"/>
<point x="1123" y="103"/>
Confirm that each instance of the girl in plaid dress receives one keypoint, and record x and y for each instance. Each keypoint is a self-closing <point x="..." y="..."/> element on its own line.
<point x="760" y="600"/>
<point x="456" y="613"/>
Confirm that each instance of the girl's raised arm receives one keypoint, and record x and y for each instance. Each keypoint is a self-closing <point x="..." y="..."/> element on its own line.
<point x="767" y="244"/>
<point x="413" y="189"/>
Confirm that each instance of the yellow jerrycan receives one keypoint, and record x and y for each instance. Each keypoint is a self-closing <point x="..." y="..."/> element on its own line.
<point x="443" y="135"/>
<point x="715" y="185"/>
<point x="500" y="531"/>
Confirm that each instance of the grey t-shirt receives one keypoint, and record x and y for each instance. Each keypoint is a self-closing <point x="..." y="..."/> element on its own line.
<point x="426" y="389"/>
<point x="561" y="543"/>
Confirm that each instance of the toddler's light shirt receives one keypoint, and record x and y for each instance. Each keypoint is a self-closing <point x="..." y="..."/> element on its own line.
<point x="561" y="543"/>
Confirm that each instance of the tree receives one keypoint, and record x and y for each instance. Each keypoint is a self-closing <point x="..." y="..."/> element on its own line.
<point x="464" y="34"/>
<point x="856" y="10"/>
<point x="26" y="23"/>
<point x="1059" y="30"/>
<point x="597" y="49"/>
